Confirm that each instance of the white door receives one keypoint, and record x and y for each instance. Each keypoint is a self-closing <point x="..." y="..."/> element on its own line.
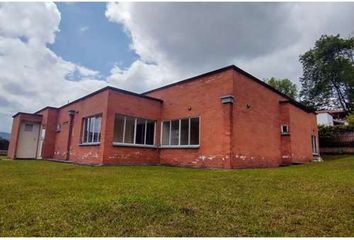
<point x="28" y="140"/>
<point x="40" y="143"/>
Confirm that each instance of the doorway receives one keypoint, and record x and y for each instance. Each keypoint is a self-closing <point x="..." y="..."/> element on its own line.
<point x="28" y="140"/>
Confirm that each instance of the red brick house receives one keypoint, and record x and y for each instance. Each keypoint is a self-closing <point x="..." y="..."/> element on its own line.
<point x="226" y="118"/>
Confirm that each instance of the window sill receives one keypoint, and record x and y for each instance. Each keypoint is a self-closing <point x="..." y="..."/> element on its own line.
<point x="180" y="146"/>
<point x="285" y="134"/>
<point x="116" y="144"/>
<point x="89" y="144"/>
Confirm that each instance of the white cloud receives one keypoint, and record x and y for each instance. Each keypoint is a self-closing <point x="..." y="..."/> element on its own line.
<point x="265" y="39"/>
<point x="36" y="22"/>
<point x="84" y="29"/>
<point x="172" y="40"/>
<point x="32" y="76"/>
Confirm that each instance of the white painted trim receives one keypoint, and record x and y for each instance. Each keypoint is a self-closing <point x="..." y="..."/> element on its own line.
<point x="179" y="137"/>
<point x="87" y="122"/>
<point x="287" y="128"/>
<point x="145" y="131"/>
<point x="90" y="144"/>
<point x="189" y="131"/>
<point x="135" y="130"/>
<point x="180" y="146"/>
<point x="135" y="123"/>
<point x="179" y="132"/>
<point x="170" y="136"/>
<point x="125" y="122"/>
<point x="133" y="145"/>
<point x="154" y="140"/>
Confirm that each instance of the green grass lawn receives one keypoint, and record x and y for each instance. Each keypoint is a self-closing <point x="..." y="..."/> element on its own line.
<point x="40" y="198"/>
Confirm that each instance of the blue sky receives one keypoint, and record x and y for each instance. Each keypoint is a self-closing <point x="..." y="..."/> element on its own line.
<point x="87" y="38"/>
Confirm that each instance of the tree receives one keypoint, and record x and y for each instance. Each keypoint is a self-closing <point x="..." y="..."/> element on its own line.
<point x="284" y="86"/>
<point x="4" y="144"/>
<point x="328" y="74"/>
<point x="350" y="119"/>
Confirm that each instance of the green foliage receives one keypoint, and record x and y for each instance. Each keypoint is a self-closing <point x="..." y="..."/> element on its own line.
<point x="334" y="131"/>
<point x="40" y="198"/>
<point x="328" y="74"/>
<point x="350" y="119"/>
<point x="284" y="86"/>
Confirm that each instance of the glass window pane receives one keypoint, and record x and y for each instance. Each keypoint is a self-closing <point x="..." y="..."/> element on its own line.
<point x="194" y="138"/>
<point x="140" y="131"/>
<point x="174" y="132"/>
<point x="87" y="129"/>
<point x="84" y="130"/>
<point x="97" y="129"/>
<point x="314" y="144"/>
<point x="91" y="129"/>
<point x="150" y="130"/>
<point x="118" y="128"/>
<point x="129" y="130"/>
<point x="165" y="133"/>
<point x="184" y="131"/>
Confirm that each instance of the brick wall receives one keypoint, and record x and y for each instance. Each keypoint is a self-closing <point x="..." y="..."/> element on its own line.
<point x="240" y="135"/>
<point x="302" y="126"/>
<point x="14" y="137"/>
<point x="202" y="97"/>
<point x="258" y="114"/>
<point x="49" y="122"/>
<point x="134" y="106"/>
<point x="256" y="131"/>
<point x="96" y="104"/>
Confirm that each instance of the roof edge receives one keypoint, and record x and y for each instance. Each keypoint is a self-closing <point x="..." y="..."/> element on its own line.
<point x="32" y="114"/>
<point x="237" y="69"/>
<point x="97" y="92"/>
<point x="113" y="89"/>
<point x="190" y="79"/>
<point x="45" y="108"/>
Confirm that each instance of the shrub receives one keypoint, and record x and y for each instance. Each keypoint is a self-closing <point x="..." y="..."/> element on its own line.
<point x="350" y="119"/>
<point x="334" y="131"/>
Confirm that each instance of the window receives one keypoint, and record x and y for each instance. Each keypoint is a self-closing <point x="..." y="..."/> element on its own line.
<point x="175" y="132"/>
<point x="28" y="127"/>
<point x="314" y="144"/>
<point x="129" y="130"/>
<point x="284" y="129"/>
<point x="91" y="130"/>
<point x="181" y="132"/>
<point x="132" y="130"/>
<point x="58" y="127"/>
<point x="166" y="133"/>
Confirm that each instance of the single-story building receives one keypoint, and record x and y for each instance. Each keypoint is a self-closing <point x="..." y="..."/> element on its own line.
<point x="324" y="119"/>
<point x="331" y="117"/>
<point x="226" y="118"/>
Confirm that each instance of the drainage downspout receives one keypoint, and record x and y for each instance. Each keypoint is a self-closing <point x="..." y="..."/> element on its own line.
<point x="71" y="121"/>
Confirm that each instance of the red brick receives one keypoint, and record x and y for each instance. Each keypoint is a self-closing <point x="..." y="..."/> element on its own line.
<point x="240" y="135"/>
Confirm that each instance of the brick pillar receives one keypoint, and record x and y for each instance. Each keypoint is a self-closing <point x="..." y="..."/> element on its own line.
<point x="285" y="139"/>
<point x="227" y="102"/>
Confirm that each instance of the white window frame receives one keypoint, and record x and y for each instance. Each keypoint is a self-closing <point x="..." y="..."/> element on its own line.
<point x="134" y="144"/>
<point x="179" y="134"/>
<point x="87" y="121"/>
<point x="314" y="144"/>
<point x="287" y="128"/>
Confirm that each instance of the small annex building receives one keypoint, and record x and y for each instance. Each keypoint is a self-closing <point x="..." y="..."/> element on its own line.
<point x="226" y="118"/>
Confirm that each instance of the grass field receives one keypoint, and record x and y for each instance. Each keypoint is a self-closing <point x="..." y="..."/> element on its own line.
<point x="39" y="198"/>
